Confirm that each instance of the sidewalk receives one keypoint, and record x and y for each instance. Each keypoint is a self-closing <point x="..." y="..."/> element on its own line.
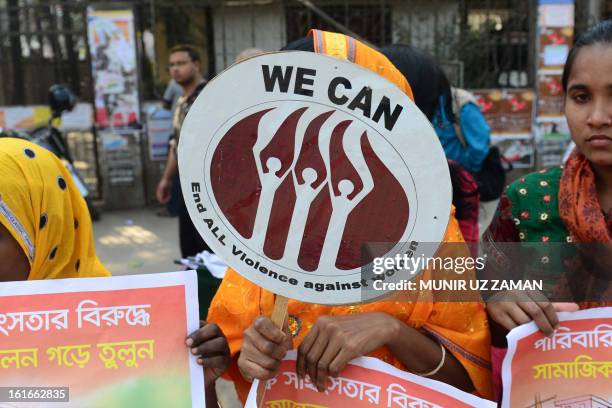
<point x="139" y="242"/>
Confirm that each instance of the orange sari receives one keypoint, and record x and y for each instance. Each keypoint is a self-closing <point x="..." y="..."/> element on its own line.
<point x="460" y="326"/>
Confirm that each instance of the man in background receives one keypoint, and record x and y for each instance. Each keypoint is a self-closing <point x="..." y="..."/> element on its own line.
<point x="171" y="96"/>
<point x="185" y="69"/>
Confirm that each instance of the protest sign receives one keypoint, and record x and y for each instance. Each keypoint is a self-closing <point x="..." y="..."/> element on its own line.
<point x="291" y="163"/>
<point x="111" y="342"/>
<point x="365" y="382"/>
<point x="572" y="368"/>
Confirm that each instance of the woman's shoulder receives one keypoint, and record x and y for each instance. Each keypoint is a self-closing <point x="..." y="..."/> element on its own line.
<point x="538" y="183"/>
<point x="535" y="206"/>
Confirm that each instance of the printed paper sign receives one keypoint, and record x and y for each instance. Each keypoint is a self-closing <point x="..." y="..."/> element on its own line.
<point x="509" y="112"/>
<point x="554" y="45"/>
<point x="113" y="60"/>
<point x="159" y="129"/>
<point x="300" y="162"/>
<point x="113" y="342"/>
<point x="573" y="368"/>
<point x="556" y="15"/>
<point x="18" y="117"/>
<point x="519" y="151"/>
<point x="550" y="97"/>
<point x="34" y="116"/>
<point x="365" y="382"/>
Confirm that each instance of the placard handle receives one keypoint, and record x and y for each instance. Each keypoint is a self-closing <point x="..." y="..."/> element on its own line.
<point x="279" y="315"/>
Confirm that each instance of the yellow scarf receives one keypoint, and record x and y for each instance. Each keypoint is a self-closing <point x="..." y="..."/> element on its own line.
<point x="43" y="210"/>
<point x="345" y="47"/>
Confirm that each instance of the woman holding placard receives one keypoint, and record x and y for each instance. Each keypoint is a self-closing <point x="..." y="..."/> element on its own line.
<point x="444" y="341"/>
<point x="570" y="206"/>
<point x="46" y="233"/>
<point x="45" y="228"/>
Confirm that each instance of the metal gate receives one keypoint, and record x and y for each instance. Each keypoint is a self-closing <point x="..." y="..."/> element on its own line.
<point x="44" y="42"/>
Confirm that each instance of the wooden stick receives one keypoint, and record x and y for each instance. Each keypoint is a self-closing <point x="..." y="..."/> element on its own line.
<point x="279" y="315"/>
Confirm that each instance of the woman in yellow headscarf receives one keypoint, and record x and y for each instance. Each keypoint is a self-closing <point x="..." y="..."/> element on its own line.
<point x="446" y="341"/>
<point x="45" y="228"/>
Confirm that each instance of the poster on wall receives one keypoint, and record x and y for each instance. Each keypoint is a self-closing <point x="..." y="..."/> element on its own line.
<point x="159" y="129"/>
<point x="553" y="137"/>
<point x="81" y="117"/>
<point x="34" y="116"/>
<point x="112" y="45"/>
<point x="555" y="43"/>
<point x="122" y="164"/>
<point x="553" y="130"/>
<point x="24" y="117"/>
<point x="556" y="32"/>
<point x="550" y="96"/>
<point x="551" y="152"/>
<point x="119" y="152"/>
<point x="517" y="150"/>
<point x="509" y="112"/>
<point x="556" y="15"/>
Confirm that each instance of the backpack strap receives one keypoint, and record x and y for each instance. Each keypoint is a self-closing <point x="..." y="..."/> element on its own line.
<point x="460" y="98"/>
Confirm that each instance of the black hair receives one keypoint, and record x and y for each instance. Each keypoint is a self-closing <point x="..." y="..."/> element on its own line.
<point x="194" y="55"/>
<point x="427" y="80"/>
<point x="600" y="34"/>
<point x="303" y="44"/>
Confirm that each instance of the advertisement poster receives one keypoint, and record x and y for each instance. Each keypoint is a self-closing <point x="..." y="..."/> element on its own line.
<point x="550" y="96"/>
<point x="120" y="149"/>
<point x="555" y="43"/>
<point x="24" y="117"/>
<point x="557" y="15"/>
<point x="519" y="151"/>
<point x="509" y="112"/>
<point x="552" y="139"/>
<point x="111" y="342"/>
<point x="287" y="180"/>
<point x="80" y="118"/>
<point x="31" y="117"/>
<point x="551" y="152"/>
<point x="571" y="369"/>
<point x="365" y="382"/>
<point x="159" y="129"/>
<point x="114" y="68"/>
<point x="548" y="129"/>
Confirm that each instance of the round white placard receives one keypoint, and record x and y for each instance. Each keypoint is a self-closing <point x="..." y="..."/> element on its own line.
<point x="300" y="169"/>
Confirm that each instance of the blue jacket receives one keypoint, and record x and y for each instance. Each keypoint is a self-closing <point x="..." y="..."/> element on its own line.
<point x="476" y="132"/>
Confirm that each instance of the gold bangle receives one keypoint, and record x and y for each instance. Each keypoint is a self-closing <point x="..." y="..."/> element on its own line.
<point x="439" y="366"/>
